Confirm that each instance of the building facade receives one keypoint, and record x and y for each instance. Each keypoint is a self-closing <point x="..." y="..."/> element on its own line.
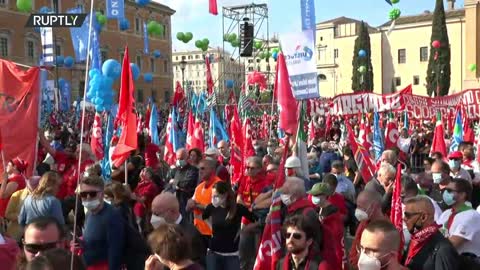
<point x="23" y="45"/>
<point x="223" y="67"/>
<point x="401" y="57"/>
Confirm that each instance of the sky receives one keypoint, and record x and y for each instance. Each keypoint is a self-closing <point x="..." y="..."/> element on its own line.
<point x="284" y="15"/>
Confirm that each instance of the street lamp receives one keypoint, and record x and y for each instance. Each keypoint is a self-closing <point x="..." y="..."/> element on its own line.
<point x="183" y="65"/>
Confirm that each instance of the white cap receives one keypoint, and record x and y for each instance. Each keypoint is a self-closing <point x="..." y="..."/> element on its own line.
<point x="212" y="151"/>
<point x="293" y="162"/>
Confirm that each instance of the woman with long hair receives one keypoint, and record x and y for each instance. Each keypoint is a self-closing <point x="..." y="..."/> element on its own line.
<point x="225" y="215"/>
<point x="42" y="201"/>
<point x="119" y="196"/>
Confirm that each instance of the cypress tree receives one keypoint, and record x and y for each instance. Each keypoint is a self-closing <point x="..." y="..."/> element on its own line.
<point x="362" y="42"/>
<point x="438" y="72"/>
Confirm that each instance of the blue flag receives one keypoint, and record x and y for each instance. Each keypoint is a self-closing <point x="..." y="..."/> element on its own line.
<point x="378" y="145"/>
<point x="308" y="14"/>
<point x="115" y="9"/>
<point x="105" y="162"/>
<point x="145" y="38"/>
<point x="153" y="125"/>
<point x="457" y="137"/>
<point x="217" y="132"/>
<point x="174" y="130"/>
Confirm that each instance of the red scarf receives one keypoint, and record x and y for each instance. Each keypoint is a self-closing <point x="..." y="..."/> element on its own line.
<point x="286" y="262"/>
<point x="418" y="240"/>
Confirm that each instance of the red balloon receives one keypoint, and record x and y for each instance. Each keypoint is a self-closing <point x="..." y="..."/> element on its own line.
<point x="436" y="44"/>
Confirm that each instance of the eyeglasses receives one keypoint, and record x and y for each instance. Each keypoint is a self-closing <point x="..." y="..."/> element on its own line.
<point x="86" y="194"/>
<point x="409" y="215"/>
<point x="296" y="235"/>
<point x="35" y="248"/>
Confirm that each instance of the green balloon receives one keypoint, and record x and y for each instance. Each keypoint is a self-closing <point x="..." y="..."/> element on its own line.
<point x="258" y="44"/>
<point x="102" y="19"/>
<point x="362" y="69"/>
<point x="235" y="43"/>
<point x="199" y="44"/>
<point x="232" y="37"/>
<point x="180" y="36"/>
<point x="395" y="1"/>
<point x="98" y="13"/>
<point x="206" y="41"/>
<point x="24" y="5"/>
<point x="226" y="37"/>
<point x="158" y="29"/>
<point x="188" y="37"/>
<point x="472" y="67"/>
<point x="268" y="55"/>
<point x="204" y="47"/>
<point x="394" y="14"/>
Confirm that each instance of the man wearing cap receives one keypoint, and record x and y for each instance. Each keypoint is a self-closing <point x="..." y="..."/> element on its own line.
<point x="293" y="168"/>
<point x="12" y="180"/>
<point x="220" y="170"/>
<point x="455" y="162"/>
<point x="329" y="216"/>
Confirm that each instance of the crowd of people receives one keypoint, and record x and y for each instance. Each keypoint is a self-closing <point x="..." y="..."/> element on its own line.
<point x="195" y="215"/>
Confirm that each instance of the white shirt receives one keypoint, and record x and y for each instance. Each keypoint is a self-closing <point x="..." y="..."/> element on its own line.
<point x="404" y="144"/>
<point x="438" y="210"/>
<point x="462" y="174"/>
<point x="465" y="225"/>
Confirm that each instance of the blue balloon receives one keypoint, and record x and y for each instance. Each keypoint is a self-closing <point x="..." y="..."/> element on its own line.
<point x="230" y="83"/>
<point x="135" y="71"/>
<point x="44" y="10"/>
<point x="275" y="56"/>
<point x="142" y="2"/>
<point x="362" y="53"/>
<point x="93" y="72"/>
<point x="68" y="61"/>
<point x="61" y="82"/>
<point x="148" y="77"/>
<point x="60" y="60"/>
<point x="111" y="68"/>
<point x="157" y="53"/>
<point x="124" y="24"/>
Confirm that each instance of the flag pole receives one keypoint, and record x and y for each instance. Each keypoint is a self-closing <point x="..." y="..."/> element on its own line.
<point x="3" y="161"/>
<point x="126" y="173"/>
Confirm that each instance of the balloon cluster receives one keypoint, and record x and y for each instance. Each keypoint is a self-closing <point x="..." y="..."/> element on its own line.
<point x="264" y="55"/>
<point x="124" y="24"/>
<point x="24" y="5"/>
<point x="184" y="37"/>
<point x="233" y="39"/>
<point x="202" y="44"/>
<point x="154" y="28"/>
<point x="142" y="2"/>
<point x="68" y="62"/>
<point x="100" y="91"/>
<point x="157" y="53"/>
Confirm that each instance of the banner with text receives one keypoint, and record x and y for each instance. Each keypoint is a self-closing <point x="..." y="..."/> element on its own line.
<point x="300" y="57"/>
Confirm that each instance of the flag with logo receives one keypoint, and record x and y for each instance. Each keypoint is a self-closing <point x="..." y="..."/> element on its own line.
<point x="145" y="38"/>
<point x="96" y="142"/>
<point x="169" y="155"/>
<point x="46" y="36"/>
<point x="396" y="216"/>
<point x="209" y="76"/>
<point x="361" y="155"/>
<point x="438" y="142"/>
<point x="287" y="104"/>
<point x="236" y="146"/>
<point x="217" y="131"/>
<point x="105" y="163"/>
<point x="378" y="146"/>
<point x="248" y="149"/>
<point x="457" y="136"/>
<point x="152" y="128"/>
<point x="391" y="132"/>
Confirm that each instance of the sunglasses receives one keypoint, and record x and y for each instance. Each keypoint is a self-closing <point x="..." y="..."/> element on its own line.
<point x="296" y="235"/>
<point x="409" y="215"/>
<point x="35" y="248"/>
<point x="86" y="194"/>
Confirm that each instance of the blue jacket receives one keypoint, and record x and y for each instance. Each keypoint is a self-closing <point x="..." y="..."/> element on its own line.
<point x="32" y="208"/>
<point x="326" y="159"/>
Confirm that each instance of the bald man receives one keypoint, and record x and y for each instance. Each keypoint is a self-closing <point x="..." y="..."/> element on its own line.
<point x="224" y="149"/>
<point x="426" y="239"/>
<point x="166" y="209"/>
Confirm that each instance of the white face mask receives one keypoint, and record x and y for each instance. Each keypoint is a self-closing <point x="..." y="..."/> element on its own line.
<point x="156" y="221"/>
<point x="217" y="201"/>
<point x="91" y="205"/>
<point x="361" y="214"/>
<point x="286" y="199"/>
<point x="317" y="200"/>
<point x="437" y="178"/>
<point x="366" y="262"/>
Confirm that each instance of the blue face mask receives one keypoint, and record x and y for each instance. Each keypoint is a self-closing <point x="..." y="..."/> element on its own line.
<point x="454" y="164"/>
<point x="448" y="198"/>
<point x="437" y="178"/>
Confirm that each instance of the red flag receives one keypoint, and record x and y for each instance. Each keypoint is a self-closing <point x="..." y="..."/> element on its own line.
<point x="126" y="115"/>
<point x="256" y="77"/>
<point x="96" y="142"/>
<point x="148" y="112"/>
<point x="311" y="132"/>
<point x="328" y="126"/>
<point x="264" y="126"/>
<point x="169" y="154"/>
<point x="361" y="155"/>
<point x="1" y="143"/>
<point x="212" y="7"/>
<point x="396" y="210"/>
<point x="236" y="159"/>
<point x="194" y="133"/>
<point x="209" y="75"/>
<point x="438" y="143"/>
<point x="19" y="112"/>
<point x="468" y="134"/>
<point x="391" y="133"/>
<point x="248" y="149"/>
<point x="287" y="104"/>
<point x="178" y="96"/>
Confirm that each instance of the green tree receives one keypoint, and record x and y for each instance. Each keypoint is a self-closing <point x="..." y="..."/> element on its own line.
<point x="438" y="72"/>
<point x="362" y="81"/>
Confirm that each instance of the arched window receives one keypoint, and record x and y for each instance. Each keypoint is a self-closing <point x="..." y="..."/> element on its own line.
<point x="321" y="77"/>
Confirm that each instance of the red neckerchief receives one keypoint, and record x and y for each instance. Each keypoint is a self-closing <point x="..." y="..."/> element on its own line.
<point x="286" y="262"/>
<point x="419" y="240"/>
<point x="299" y="204"/>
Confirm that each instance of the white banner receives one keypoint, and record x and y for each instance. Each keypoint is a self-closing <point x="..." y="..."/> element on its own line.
<point x="299" y="51"/>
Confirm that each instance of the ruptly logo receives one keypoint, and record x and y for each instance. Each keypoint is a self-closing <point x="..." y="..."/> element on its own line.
<point x="304" y="53"/>
<point x="56" y="20"/>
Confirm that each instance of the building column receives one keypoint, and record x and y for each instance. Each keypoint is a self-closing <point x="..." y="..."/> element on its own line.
<point x="472" y="42"/>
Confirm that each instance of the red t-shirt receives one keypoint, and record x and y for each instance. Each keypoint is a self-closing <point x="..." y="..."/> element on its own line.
<point x="146" y="189"/>
<point x="20" y="180"/>
<point x="70" y="179"/>
<point x="151" y="159"/>
<point x="63" y="161"/>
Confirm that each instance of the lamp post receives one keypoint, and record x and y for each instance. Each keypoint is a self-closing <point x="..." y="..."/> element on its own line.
<point x="183" y="65"/>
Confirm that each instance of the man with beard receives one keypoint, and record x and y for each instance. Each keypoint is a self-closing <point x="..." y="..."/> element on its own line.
<point x="428" y="248"/>
<point x="299" y="242"/>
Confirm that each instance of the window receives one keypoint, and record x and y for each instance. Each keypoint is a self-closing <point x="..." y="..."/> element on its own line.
<point x="56" y="8"/>
<point x="3" y="46"/>
<point x="152" y="65"/>
<point x="30" y="50"/>
<point x="250" y="61"/>
<point x="139" y="61"/>
<point x="398" y="81"/>
<point x="322" y="77"/>
<point x="105" y="55"/>
<point x="190" y="57"/>
<point x="176" y="58"/>
<point x="250" y="68"/>
<point x="423" y="54"/>
<point x="58" y="49"/>
<point x="335" y="53"/>
<point x="165" y="66"/>
<point x="166" y="96"/>
<point x="139" y="95"/>
<point x="197" y="56"/>
<point x="3" y="2"/>
<point x="121" y="57"/>
<point x="321" y="38"/>
<point x="416" y="80"/>
<point x="268" y="67"/>
<point x="154" y="95"/>
<point x="138" y="25"/>
<point x="402" y="56"/>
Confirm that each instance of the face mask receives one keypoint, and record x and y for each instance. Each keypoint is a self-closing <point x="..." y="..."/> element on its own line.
<point x="368" y="263"/>
<point x="317" y="200"/>
<point x="361" y="214"/>
<point x="91" y="205"/>
<point x="454" y="164"/>
<point x="181" y="163"/>
<point x="448" y="198"/>
<point x="286" y="199"/>
<point x="437" y="178"/>
<point x="217" y="201"/>
<point x="156" y="221"/>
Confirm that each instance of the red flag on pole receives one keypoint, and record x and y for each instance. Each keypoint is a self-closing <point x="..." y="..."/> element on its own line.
<point x="286" y="102"/>
<point x="96" y="138"/>
<point x="396" y="211"/>
<point x="361" y="155"/>
<point x="438" y="143"/>
<point x="248" y="149"/>
<point x="169" y="154"/>
<point x="126" y="115"/>
<point x="391" y="133"/>
<point x="209" y="76"/>
<point x="237" y="146"/>
<point x="212" y="7"/>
